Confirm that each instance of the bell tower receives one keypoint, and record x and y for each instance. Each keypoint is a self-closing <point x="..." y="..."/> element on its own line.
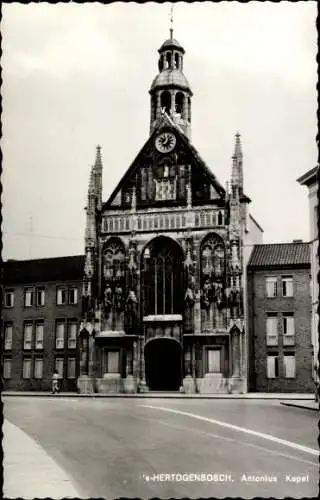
<point x="170" y="91"/>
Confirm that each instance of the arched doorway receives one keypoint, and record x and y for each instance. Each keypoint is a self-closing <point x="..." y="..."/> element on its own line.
<point x="163" y="364"/>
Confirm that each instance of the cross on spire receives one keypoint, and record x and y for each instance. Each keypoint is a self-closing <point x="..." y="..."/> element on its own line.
<point x="171" y="21"/>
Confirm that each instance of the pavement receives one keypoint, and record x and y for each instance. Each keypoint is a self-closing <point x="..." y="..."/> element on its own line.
<point x="120" y="439"/>
<point x="29" y="471"/>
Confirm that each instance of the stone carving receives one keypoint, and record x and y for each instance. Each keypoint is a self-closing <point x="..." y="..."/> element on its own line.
<point x="108" y="299"/>
<point x="132" y="304"/>
<point x="189" y="298"/>
<point x="118" y="298"/>
<point x="207" y="294"/>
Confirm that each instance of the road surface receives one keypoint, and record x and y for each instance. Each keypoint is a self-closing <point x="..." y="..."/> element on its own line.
<point x="175" y="448"/>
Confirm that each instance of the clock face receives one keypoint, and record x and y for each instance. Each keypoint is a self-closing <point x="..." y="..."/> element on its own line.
<point x="165" y="142"/>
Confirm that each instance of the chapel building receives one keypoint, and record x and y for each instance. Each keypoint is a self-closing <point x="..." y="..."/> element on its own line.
<point x="164" y="305"/>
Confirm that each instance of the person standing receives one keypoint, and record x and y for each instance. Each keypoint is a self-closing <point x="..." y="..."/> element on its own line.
<point x="55" y="382"/>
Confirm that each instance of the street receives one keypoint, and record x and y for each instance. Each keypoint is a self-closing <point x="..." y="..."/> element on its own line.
<point x="175" y="448"/>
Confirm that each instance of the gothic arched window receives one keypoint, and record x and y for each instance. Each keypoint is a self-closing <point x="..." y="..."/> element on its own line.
<point x="180" y="103"/>
<point x="162" y="278"/>
<point x="212" y="259"/>
<point x="176" y="60"/>
<point x="166" y="101"/>
<point x="114" y="261"/>
<point x="168" y="59"/>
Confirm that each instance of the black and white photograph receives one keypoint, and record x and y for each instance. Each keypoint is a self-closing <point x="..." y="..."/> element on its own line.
<point x="160" y="299"/>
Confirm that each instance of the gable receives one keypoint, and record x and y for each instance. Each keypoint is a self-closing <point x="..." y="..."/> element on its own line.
<point x="159" y="174"/>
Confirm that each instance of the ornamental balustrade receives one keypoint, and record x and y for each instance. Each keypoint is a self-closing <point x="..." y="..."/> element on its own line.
<point x="162" y="221"/>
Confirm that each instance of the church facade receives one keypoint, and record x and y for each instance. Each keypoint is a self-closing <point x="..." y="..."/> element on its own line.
<point x="164" y="275"/>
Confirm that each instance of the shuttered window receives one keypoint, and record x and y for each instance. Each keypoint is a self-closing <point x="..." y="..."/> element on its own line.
<point x="271" y="286"/>
<point x="60" y="334"/>
<point x="289" y="361"/>
<point x="272" y="366"/>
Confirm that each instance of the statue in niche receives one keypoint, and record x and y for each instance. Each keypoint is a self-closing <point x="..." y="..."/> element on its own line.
<point x="84" y="355"/>
<point x="218" y="295"/>
<point x="132" y="303"/>
<point x="108" y="299"/>
<point x="87" y="305"/>
<point x="118" y="298"/>
<point x="189" y="298"/>
<point x="207" y="294"/>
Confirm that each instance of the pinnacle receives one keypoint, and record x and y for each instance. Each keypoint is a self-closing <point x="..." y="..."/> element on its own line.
<point x="237" y="148"/>
<point x="98" y="156"/>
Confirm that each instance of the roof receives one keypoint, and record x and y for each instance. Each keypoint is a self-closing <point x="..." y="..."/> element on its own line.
<point x="170" y="77"/>
<point x="280" y="255"/>
<point x="167" y="121"/>
<point x="311" y="177"/>
<point x="256" y="223"/>
<point x="43" y="270"/>
<point x="171" y="42"/>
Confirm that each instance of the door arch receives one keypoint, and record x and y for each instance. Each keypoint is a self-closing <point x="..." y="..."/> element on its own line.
<point x="163" y="364"/>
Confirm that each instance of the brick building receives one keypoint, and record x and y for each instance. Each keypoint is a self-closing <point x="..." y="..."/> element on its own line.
<point x="41" y="313"/>
<point x="279" y="309"/>
<point x="311" y="180"/>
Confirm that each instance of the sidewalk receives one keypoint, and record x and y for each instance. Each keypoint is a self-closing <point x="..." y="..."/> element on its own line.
<point x="166" y="395"/>
<point x="28" y="471"/>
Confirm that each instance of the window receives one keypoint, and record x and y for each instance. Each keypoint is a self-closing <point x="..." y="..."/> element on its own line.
<point x="60" y="335"/>
<point x="289" y="361"/>
<point x="27" y="335"/>
<point x="288" y="324"/>
<point x="6" y="368"/>
<point x="59" y="366"/>
<point x="162" y="277"/>
<point x="287" y="286"/>
<point x="272" y="329"/>
<point x="8" y="337"/>
<point x="26" y="368"/>
<point x="214" y="361"/>
<point x="113" y="364"/>
<point x="72" y="335"/>
<point x="73" y="296"/>
<point x="38" y="368"/>
<point x="288" y="329"/>
<point x="40" y="296"/>
<point x="61" y="296"/>
<point x="272" y="365"/>
<point x="39" y="334"/>
<point x="8" y="298"/>
<point x="28" y="297"/>
<point x="271" y="286"/>
<point x="72" y="368"/>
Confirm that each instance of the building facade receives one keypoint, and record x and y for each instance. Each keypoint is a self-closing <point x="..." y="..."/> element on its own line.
<point x="40" y="322"/>
<point x="279" y="310"/>
<point x="311" y="181"/>
<point x="164" y="261"/>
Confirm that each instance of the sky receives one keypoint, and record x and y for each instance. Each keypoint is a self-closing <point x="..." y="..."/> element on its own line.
<point x="78" y="75"/>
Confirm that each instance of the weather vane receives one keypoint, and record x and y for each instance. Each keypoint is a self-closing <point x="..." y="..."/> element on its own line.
<point x="171" y="20"/>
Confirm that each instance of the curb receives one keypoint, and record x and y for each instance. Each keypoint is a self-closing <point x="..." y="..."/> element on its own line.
<point x="296" y="405"/>
<point x="148" y="395"/>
